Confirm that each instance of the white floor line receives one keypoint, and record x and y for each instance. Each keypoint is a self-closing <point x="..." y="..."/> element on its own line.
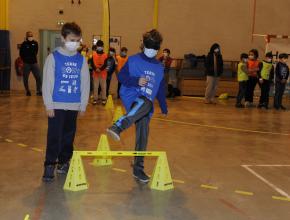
<point x="277" y="189"/>
<point x="268" y="165"/>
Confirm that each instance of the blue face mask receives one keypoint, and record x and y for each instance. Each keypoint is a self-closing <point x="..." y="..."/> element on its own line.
<point x="100" y="49"/>
<point x="150" y="52"/>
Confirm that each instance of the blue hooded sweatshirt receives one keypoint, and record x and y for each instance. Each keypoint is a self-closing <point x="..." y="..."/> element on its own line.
<point x="138" y="66"/>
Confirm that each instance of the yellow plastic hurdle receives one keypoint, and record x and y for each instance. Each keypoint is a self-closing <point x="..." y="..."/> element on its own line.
<point x="76" y="178"/>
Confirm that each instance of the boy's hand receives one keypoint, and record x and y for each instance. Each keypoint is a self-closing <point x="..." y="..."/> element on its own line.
<point x="81" y="113"/>
<point x="98" y="70"/>
<point x="261" y="80"/>
<point x="142" y="82"/>
<point x="50" y="113"/>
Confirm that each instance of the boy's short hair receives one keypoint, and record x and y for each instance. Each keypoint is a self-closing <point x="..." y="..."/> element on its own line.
<point x="112" y="49"/>
<point x="255" y="52"/>
<point x="166" y="50"/>
<point x="244" y="56"/>
<point x="71" y="28"/>
<point x="152" y="39"/>
<point x="269" y="55"/>
<point x="124" y="49"/>
<point x="100" y="43"/>
<point x="283" y="56"/>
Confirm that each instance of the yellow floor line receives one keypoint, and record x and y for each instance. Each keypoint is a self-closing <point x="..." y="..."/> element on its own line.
<point x="178" y="181"/>
<point x="220" y="127"/>
<point x="281" y="198"/>
<point x="22" y="145"/>
<point x="208" y="186"/>
<point x="245" y="193"/>
<point x="119" y="170"/>
<point x="8" y="140"/>
<point x="37" y="149"/>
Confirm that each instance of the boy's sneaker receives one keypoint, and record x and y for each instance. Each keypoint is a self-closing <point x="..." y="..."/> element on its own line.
<point x="104" y="102"/>
<point x="28" y="93"/>
<point x="114" y="132"/>
<point x="39" y="93"/>
<point x="260" y="106"/>
<point x="283" y="107"/>
<point x="140" y="175"/>
<point x="62" y="168"/>
<point x="239" y="105"/>
<point x="94" y="102"/>
<point x="48" y="175"/>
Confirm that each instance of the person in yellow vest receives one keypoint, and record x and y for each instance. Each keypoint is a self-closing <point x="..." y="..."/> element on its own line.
<point x="242" y="79"/>
<point x="266" y="75"/>
<point x="121" y="60"/>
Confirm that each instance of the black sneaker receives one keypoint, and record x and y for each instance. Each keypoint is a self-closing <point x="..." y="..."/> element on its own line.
<point x="94" y="102"/>
<point x="62" y="168"/>
<point x="28" y="93"/>
<point x="48" y="175"/>
<point x="104" y="102"/>
<point x="114" y="132"/>
<point x="283" y="107"/>
<point x="239" y="105"/>
<point x="140" y="175"/>
<point x="260" y="106"/>
<point x="39" y="93"/>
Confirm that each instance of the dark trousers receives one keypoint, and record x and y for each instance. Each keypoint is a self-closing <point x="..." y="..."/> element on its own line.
<point x="34" y="68"/>
<point x="242" y="91"/>
<point x="265" y="90"/>
<point x="251" y="85"/>
<point x="60" y="136"/>
<point x="119" y="86"/>
<point x="140" y="115"/>
<point x="279" y="92"/>
<point x="108" y="82"/>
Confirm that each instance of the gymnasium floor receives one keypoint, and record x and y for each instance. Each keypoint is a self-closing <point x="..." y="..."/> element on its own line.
<point x="227" y="164"/>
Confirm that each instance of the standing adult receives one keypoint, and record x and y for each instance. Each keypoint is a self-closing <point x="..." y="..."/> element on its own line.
<point x="214" y="69"/>
<point x="28" y="53"/>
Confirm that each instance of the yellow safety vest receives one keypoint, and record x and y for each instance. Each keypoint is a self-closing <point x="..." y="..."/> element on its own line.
<point x="242" y="76"/>
<point x="266" y="70"/>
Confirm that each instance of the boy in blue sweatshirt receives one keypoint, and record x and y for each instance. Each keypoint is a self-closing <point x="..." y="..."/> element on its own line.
<point x="142" y="80"/>
<point x="66" y="88"/>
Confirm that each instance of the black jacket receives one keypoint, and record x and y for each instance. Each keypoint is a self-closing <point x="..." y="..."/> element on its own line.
<point x="28" y="51"/>
<point x="209" y="62"/>
<point x="281" y="72"/>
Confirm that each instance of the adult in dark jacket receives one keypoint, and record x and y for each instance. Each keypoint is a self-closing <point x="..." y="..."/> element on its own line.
<point x="214" y="69"/>
<point x="28" y="53"/>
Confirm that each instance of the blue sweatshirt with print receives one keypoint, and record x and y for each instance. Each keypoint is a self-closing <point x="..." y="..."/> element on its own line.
<point x="138" y="66"/>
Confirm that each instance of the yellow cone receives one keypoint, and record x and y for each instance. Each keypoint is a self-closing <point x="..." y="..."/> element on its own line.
<point x="103" y="146"/>
<point x="110" y="103"/>
<point x="118" y="114"/>
<point x="76" y="178"/>
<point x="161" y="178"/>
<point x="26" y="217"/>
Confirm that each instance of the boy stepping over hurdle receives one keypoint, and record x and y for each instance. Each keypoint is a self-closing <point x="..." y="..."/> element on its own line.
<point x="142" y="79"/>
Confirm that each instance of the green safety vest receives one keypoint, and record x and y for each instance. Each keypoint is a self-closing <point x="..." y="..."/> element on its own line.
<point x="266" y="70"/>
<point x="242" y="76"/>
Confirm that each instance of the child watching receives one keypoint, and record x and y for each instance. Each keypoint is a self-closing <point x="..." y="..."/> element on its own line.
<point x="242" y="79"/>
<point x="121" y="60"/>
<point x="110" y="63"/>
<point x="66" y="84"/>
<point x="282" y="74"/>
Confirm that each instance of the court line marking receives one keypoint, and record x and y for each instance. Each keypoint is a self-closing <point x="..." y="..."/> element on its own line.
<point x="245" y="193"/>
<point x="9" y="140"/>
<point x="22" y="145"/>
<point x="178" y="181"/>
<point x="219" y="127"/>
<point x="119" y="170"/>
<point x="208" y="186"/>
<point x="281" y="198"/>
<point x="274" y="187"/>
<point x="36" y="149"/>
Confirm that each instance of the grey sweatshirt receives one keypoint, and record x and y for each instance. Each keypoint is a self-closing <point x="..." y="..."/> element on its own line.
<point x="48" y="84"/>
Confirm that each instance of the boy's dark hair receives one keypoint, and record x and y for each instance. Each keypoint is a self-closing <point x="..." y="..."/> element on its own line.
<point x="255" y="52"/>
<point x="152" y="39"/>
<point x="71" y="28"/>
<point x="112" y="49"/>
<point x="124" y="49"/>
<point x="244" y="56"/>
<point x="283" y="56"/>
<point x="100" y="43"/>
<point x="269" y="55"/>
<point x="166" y="50"/>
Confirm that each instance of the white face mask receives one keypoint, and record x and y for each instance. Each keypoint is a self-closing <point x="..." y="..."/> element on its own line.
<point x="112" y="54"/>
<point x="217" y="50"/>
<point x="251" y="57"/>
<point x="165" y="54"/>
<point x="72" y="46"/>
<point x="100" y="48"/>
<point x="150" y="52"/>
<point x="30" y="38"/>
<point x="245" y="60"/>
